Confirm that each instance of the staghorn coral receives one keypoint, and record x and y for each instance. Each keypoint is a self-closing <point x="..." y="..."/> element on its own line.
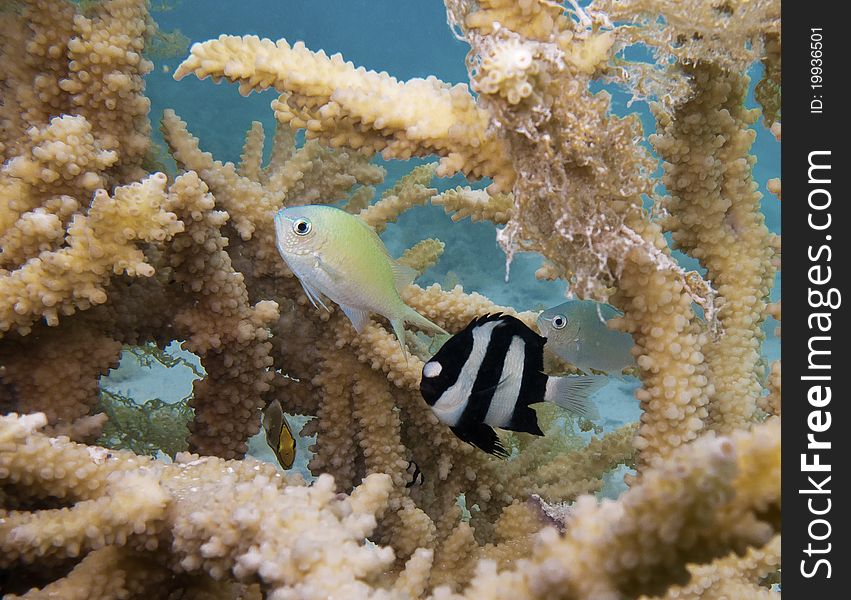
<point x="97" y="245"/>
<point x="770" y="403"/>
<point x="79" y="64"/>
<point x="733" y="576"/>
<point x="604" y="552"/>
<point x="221" y="326"/>
<point x="582" y="210"/>
<point x="713" y="214"/>
<point x="145" y="506"/>
<point x="58" y="371"/>
<point x="64" y="237"/>
<point x="568" y="183"/>
<point x="422" y="255"/>
<point x="577" y="202"/>
<point x="70" y="246"/>
<point x="768" y="89"/>
<point x="251" y="204"/>
<point x="409" y="191"/>
<point x="463" y="202"/>
<point x="367" y="111"/>
<point x="121" y="500"/>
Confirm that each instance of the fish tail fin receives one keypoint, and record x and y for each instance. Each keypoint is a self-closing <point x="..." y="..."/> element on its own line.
<point x="414" y="318"/>
<point x="573" y="393"/>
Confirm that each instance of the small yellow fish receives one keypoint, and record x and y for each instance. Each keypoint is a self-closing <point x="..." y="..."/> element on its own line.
<point x="279" y="436"/>
<point x="337" y="255"/>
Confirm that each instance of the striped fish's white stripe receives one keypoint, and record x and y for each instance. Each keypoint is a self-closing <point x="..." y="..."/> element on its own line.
<point x="452" y="402"/>
<point x="505" y="396"/>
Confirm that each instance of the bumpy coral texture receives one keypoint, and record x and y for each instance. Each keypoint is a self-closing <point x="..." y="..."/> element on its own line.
<point x="208" y="517"/>
<point x="98" y="253"/>
<point x="713" y="214"/>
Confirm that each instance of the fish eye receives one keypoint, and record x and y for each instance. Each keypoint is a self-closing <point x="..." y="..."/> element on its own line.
<point x="302" y="226"/>
<point x="432" y="369"/>
<point x="559" y="321"/>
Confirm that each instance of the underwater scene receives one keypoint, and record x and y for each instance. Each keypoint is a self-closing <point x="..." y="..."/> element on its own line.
<point x="379" y="299"/>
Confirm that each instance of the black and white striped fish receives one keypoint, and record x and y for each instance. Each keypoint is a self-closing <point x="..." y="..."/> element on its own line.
<point x="489" y="373"/>
<point x="417" y="477"/>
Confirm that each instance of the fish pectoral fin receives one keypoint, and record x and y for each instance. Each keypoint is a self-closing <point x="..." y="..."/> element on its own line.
<point x="483" y="437"/>
<point x="403" y="275"/>
<point x="313" y="296"/>
<point x="358" y="317"/>
<point x="490" y="389"/>
<point x="323" y="265"/>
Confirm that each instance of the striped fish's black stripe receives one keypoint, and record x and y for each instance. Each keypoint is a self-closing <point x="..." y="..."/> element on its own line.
<point x="452" y="356"/>
<point x="533" y="386"/>
<point x="487" y="379"/>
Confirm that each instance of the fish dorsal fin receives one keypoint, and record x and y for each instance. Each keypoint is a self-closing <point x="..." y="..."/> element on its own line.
<point x="358" y="317"/>
<point x="403" y="275"/>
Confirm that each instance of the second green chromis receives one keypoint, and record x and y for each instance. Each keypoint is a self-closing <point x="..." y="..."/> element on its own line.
<point x="337" y="255"/>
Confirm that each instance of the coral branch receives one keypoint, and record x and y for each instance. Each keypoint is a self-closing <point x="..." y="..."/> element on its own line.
<point x="209" y="516"/>
<point x="344" y="106"/>
<point x="714" y="215"/>
<point x="710" y="497"/>
<point x="99" y="244"/>
<point x="463" y="202"/>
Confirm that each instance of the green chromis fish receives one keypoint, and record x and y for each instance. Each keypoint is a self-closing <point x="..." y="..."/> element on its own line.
<point x="336" y="254"/>
<point x="578" y="333"/>
<point x="279" y="436"/>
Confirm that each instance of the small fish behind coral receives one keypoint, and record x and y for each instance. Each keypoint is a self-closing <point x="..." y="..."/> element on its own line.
<point x="578" y="333"/>
<point x="417" y="477"/>
<point x="337" y="255"/>
<point x="279" y="436"/>
<point x="489" y="373"/>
